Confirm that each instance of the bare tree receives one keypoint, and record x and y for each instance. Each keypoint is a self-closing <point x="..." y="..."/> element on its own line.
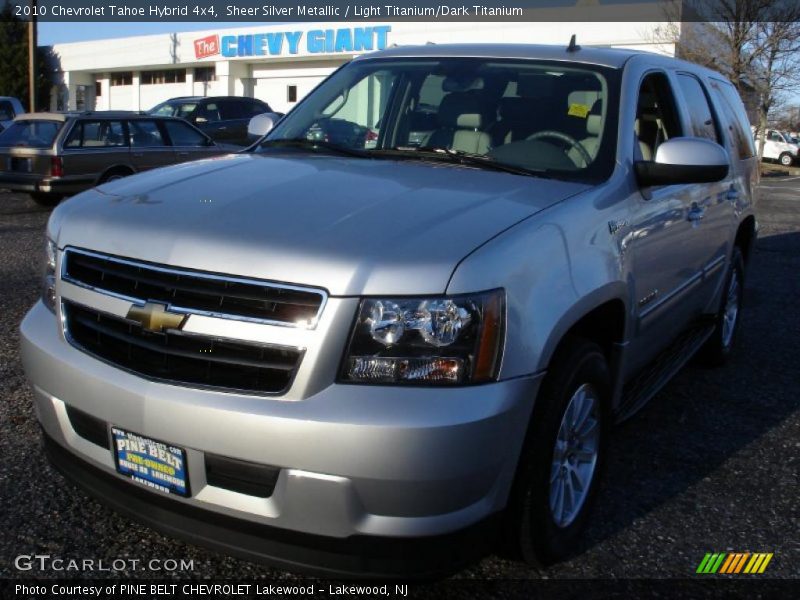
<point x="778" y="63"/>
<point x="754" y="43"/>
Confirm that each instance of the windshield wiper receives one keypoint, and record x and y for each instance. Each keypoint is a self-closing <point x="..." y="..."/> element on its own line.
<point x="305" y="143"/>
<point x="459" y="157"/>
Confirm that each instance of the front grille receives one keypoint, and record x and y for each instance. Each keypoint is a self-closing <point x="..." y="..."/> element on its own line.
<point x="177" y="357"/>
<point x="193" y="291"/>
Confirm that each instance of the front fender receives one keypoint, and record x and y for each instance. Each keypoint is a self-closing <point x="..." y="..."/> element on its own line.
<point x="555" y="269"/>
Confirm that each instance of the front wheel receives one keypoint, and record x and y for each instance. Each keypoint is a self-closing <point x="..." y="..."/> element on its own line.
<point x="786" y="159"/>
<point x="562" y="457"/>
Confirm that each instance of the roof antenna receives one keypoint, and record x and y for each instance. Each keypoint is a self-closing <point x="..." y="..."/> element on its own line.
<point x="573" y="47"/>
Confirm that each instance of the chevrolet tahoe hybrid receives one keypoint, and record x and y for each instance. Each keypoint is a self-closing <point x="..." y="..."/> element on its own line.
<point x="403" y="324"/>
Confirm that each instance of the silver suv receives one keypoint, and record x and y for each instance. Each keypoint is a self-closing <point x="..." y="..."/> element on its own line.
<point x="377" y="337"/>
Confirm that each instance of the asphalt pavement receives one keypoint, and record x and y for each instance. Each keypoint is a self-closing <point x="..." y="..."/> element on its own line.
<point x="711" y="465"/>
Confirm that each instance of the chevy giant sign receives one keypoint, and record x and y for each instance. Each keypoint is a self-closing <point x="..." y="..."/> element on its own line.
<point x="317" y="41"/>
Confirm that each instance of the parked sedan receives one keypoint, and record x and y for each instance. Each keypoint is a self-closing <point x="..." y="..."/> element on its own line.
<point x="51" y="155"/>
<point x="223" y="118"/>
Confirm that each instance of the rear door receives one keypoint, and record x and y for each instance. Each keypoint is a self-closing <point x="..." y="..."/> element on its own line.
<point x="149" y="147"/>
<point x="711" y="213"/>
<point x="187" y="142"/>
<point x="93" y="146"/>
<point x="236" y="114"/>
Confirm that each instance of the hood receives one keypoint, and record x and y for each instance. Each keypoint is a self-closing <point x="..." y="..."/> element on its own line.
<point x="352" y="226"/>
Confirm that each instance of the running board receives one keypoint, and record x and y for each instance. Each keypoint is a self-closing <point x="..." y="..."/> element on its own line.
<point x="641" y="389"/>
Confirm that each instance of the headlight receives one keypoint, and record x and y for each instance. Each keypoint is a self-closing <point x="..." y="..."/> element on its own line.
<point x="49" y="275"/>
<point x="443" y="340"/>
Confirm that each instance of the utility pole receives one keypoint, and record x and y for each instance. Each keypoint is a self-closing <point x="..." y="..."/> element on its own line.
<point x="32" y="58"/>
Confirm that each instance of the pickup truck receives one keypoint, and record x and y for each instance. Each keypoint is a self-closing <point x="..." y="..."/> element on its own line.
<point x="375" y="344"/>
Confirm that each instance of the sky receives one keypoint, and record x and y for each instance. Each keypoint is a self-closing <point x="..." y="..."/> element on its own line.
<point x="56" y="33"/>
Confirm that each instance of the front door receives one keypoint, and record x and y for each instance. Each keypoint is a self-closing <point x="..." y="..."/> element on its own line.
<point x="666" y="271"/>
<point x="149" y="149"/>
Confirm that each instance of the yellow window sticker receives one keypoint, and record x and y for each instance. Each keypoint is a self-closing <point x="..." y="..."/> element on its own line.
<point x="578" y="110"/>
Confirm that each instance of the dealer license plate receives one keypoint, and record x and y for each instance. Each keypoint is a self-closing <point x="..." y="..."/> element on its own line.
<point x="152" y="463"/>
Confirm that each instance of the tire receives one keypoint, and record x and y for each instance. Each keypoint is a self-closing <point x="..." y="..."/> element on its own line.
<point x="538" y="528"/>
<point x="113" y="175"/>
<point x="786" y="159"/>
<point x="718" y="348"/>
<point x="47" y="200"/>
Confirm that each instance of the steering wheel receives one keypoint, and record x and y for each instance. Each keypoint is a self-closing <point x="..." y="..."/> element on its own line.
<point x="573" y="143"/>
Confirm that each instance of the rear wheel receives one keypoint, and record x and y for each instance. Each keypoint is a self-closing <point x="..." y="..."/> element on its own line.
<point x="719" y="346"/>
<point x="43" y="199"/>
<point x="562" y="457"/>
<point x="786" y="159"/>
<point x="114" y="175"/>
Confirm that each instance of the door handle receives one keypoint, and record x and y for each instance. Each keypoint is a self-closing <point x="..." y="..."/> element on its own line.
<point x="696" y="213"/>
<point x="183" y="154"/>
<point x="138" y="154"/>
<point x="733" y="194"/>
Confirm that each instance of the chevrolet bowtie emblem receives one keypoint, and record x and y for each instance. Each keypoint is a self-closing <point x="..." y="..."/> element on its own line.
<point x="155" y="317"/>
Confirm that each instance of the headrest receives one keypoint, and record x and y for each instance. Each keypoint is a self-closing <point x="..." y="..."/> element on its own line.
<point x="594" y="121"/>
<point x="456" y="104"/>
<point x="462" y="83"/>
<point x="469" y="121"/>
<point x="594" y="125"/>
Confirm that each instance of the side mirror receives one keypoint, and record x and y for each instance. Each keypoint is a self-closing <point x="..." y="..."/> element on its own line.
<point x="683" y="160"/>
<point x="261" y="125"/>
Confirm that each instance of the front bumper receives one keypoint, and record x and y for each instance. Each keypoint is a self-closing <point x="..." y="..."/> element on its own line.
<point x="356" y="462"/>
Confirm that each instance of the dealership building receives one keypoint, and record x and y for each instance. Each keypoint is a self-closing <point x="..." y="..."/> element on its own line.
<point x="280" y="63"/>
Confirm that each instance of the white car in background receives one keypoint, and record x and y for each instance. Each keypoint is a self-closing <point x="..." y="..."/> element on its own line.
<point x="779" y="146"/>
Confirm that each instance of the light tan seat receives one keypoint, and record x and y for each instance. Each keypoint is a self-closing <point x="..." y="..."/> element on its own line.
<point x="468" y="136"/>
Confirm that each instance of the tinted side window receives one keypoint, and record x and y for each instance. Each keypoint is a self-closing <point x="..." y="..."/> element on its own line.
<point x="6" y="110"/>
<point x="208" y="111"/>
<point x="145" y="134"/>
<point x="233" y="109"/>
<point x="255" y="108"/>
<point x="735" y="115"/>
<point x="182" y="134"/>
<point x="96" y="134"/>
<point x="702" y="119"/>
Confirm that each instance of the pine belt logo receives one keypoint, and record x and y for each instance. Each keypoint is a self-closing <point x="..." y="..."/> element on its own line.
<point x="734" y="563"/>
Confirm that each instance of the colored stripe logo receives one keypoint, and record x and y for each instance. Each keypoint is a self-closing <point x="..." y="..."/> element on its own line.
<point x="734" y="563"/>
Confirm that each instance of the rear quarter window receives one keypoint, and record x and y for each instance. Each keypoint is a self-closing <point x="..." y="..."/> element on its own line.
<point x="182" y="134"/>
<point x="30" y="134"/>
<point x="738" y="125"/>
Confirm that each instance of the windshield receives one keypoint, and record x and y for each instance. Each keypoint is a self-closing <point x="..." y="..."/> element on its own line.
<point x="174" y="109"/>
<point x="30" y="134"/>
<point x="543" y="116"/>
